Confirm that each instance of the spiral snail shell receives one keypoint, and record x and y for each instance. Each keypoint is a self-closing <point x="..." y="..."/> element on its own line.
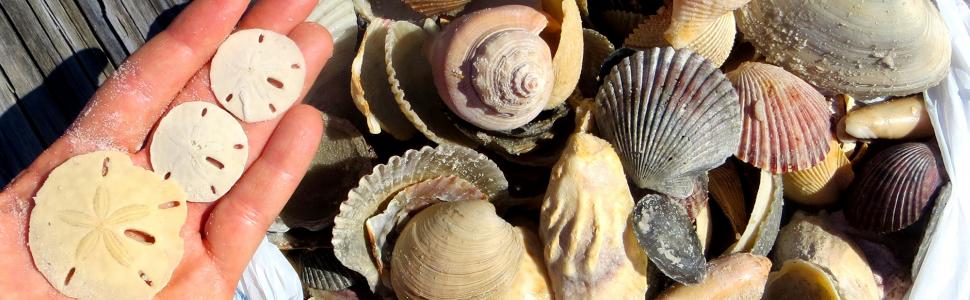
<point x="491" y="67"/>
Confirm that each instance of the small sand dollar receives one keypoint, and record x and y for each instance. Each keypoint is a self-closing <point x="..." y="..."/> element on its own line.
<point x="257" y="74"/>
<point x="103" y="228"/>
<point x="202" y="147"/>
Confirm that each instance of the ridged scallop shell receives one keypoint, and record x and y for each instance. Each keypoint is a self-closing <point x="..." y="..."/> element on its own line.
<point x="596" y="48"/>
<point x="786" y="121"/>
<point x="714" y="42"/>
<point x="583" y="225"/>
<point x="666" y="233"/>
<point x="691" y="18"/>
<point x="736" y="276"/>
<point x="492" y="69"/>
<point x="894" y="188"/>
<point x="433" y="8"/>
<point x="370" y="89"/>
<point x="861" y="48"/>
<point x="725" y="188"/>
<point x="823" y="183"/>
<point x="904" y="118"/>
<point x="671" y="115"/>
<point x="322" y="271"/>
<point x="763" y="224"/>
<point x="349" y="235"/>
<point x="799" y="279"/>
<point x="567" y="60"/>
<point x="456" y="250"/>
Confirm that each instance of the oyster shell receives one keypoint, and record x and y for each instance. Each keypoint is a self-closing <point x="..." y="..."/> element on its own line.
<point x="811" y="239"/>
<point x="786" y="121"/>
<point x="823" y="183"/>
<point x="671" y="115"/>
<point x="762" y="229"/>
<point x="714" y="41"/>
<point x="894" y="188"/>
<point x="903" y="118"/>
<point x="456" y="250"/>
<point x="665" y="232"/>
<point x="532" y="281"/>
<point x="725" y="188"/>
<point x="369" y="86"/>
<point x="590" y="251"/>
<point x="736" y="276"/>
<point x="374" y="190"/>
<point x="322" y="271"/>
<point x="690" y="19"/>
<point x="861" y="48"/>
<point x="799" y="279"/>
<point x="433" y="8"/>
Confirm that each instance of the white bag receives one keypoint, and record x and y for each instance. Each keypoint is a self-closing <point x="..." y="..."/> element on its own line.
<point x="269" y="276"/>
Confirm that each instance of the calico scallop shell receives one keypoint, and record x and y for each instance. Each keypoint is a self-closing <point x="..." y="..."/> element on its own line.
<point x="763" y="224"/>
<point x="322" y="271"/>
<point x="433" y="8"/>
<point x="735" y="276"/>
<point x="894" y="188"/>
<point x="349" y="235"/>
<point x="786" y="121"/>
<point x="456" y="250"/>
<point x="903" y="118"/>
<point x="492" y="69"/>
<point x="671" y="115"/>
<point x="823" y="183"/>
<point x="714" y="42"/>
<point x="799" y="279"/>
<point x="690" y="19"/>
<point x="861" y="48"/>
<point x="666" y="233"/>
<point x="725" y="188"/>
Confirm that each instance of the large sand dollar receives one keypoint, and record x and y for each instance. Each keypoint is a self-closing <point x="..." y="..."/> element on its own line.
<point x="103" y="228"/>
<point x="257" y="74"/>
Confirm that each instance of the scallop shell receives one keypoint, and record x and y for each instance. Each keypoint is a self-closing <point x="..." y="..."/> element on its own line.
<point x="456" y="250"/>
<point x="371" y="10"/>
<point x="370" y="89"/>
<point x="491" y="67"/>
<point x="786" y="121"/>
<point x="330" y="93"/>
<point x="671" y="115"/>
<point x="903" y="118"/>
<point x="714" y="42"/>
<point x="619" y="23"/>
<point x="762" y="229"/>
<point x="322" y="271"/>
<point x="811" y="239"/>
<point x="597" y="48"/>
<point x="691" y="18"/>
<point x="725" y="188"/>
<point x="350" y="238"/>
<point x="894" y="188"/>
<point x="567" y="62"/>
<point x="666" y="233"/>
<point x="864" y="49"/>
<point x="823" y="183"/>
<point x="582" y="225"/>
<point x="412" y="85"/>
<point x="433" y="8"/>
<point x="799" y="279"/>
<point x="736" y="276"/>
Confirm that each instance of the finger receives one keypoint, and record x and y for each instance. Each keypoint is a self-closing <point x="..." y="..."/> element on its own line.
<point x="277" y="15"/>
<point x="239" y="220"/>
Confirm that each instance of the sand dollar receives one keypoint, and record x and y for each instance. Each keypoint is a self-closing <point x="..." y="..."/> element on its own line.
<point x="257" y="74"/>
<point x="201" y="147"/>
<point x="104" y="228"/>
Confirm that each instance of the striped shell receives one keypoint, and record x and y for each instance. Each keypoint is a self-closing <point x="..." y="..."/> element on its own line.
<point x="433" y="8"/>
<point x="823" y="183"/>
<point x="725" y="188"/>
<point x="370" y="89"/>
<point x="894" y="188"/>
<point x="714" y="42"/>
<point x="691" y="18"/>
<point x="786" y="121"/>
<point x="322" y="271"/>
<point x="671" y="115"/>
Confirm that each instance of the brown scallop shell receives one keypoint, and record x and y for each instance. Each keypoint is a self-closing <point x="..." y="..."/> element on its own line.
<point x="894" y="188"/>
<point x="786" y="121"/>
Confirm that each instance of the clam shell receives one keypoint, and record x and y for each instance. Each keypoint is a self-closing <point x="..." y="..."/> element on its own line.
<point x="597" y="48"/>
<point x="786" y="121"/>
<point x="894" y="188"/>
<point x="860" y="48"/>
<point x="799" y="279"/>
<point x="666" y="233"/>
<point x="725" y="188"/>
<point x="811" y="239"/>
<point x="456" y="250"/>
<point x="714" y="42"/>
<point x="412" y="86"/>
<point x="433" y="8"/>
<point x="823" y="183"/>
<point x="322" y="271"/>
<point x="762" y="229"/>
<point x="736" y="276"/>
<point x="691" y="18"/>
<point x="903" y="118"/>
<point x="671" y="115"/>
<point x="567" y="62"/>
<point x="349" y="235"/>
<point x="583" y="226"/>
<point x="369" y="86"/>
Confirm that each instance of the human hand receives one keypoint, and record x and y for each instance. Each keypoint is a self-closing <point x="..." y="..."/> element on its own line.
<point x="170" y="69"/>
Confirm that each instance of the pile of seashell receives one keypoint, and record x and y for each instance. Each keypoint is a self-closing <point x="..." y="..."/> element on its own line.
<point x="561" y="149"/>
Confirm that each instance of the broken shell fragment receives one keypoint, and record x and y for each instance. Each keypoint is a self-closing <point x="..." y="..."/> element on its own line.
<point x="903" y="118"/>
<point x="433" y="8"/>
<point x="786" y="121"/>
<point x="864" y="49"/>
<point x="822" y="184"/>
<point x="736" y="276"/>
<point x="589" y="251"/>
<point x="456" y="250"/>
<point x="800" y="279"/>
<point x="666" y="233"/>
<point x="762" y="229"/>
<point x="894" y="188"/>
<point x="567" y="60"/>
<point x="725" y="188"/>
<point x="690" y="19"/>
<point x="714" y="42"/>
<point x="671" y="116"/>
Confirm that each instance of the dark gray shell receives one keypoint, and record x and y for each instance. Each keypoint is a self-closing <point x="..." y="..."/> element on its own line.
<point x="671" y="115"/>
<point x="322" y="271"/>
<point x="666" y="233"/>
<point x="549" y="125"/>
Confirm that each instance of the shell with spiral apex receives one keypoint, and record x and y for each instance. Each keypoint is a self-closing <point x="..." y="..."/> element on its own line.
<point x="671" y="115"/>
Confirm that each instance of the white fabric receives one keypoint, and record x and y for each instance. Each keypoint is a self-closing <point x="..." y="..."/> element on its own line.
<point x="269" y="276"/>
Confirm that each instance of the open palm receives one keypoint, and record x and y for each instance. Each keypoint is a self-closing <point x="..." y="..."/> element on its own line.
<point x="171" y="68"/>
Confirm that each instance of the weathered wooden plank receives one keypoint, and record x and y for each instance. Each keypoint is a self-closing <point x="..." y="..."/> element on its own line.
<point x="18" y="143"/>
<point x="81" y="37"/>
<point x="122" y="24"/>
<point x="93" y="11"/>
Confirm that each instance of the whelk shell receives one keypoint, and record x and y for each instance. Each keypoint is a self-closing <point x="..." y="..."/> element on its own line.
<point x="823" y="183"/>
<point x="714" y="42"/>
<point x="861" y="48"/>
<point x="433" y="8"/>
<point x="456" y="250"/>
<point x="671" y="115"/>
<point x="894" y="188"/>
<point x="786" y="121"/>
<point x="349" y="236"/>
<point x="799" y="279"/>
<point x="736" y="276"/>
<point x="691" y="18"/>
<point x="903" y="118"/>
<point x="762" y="229"/>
